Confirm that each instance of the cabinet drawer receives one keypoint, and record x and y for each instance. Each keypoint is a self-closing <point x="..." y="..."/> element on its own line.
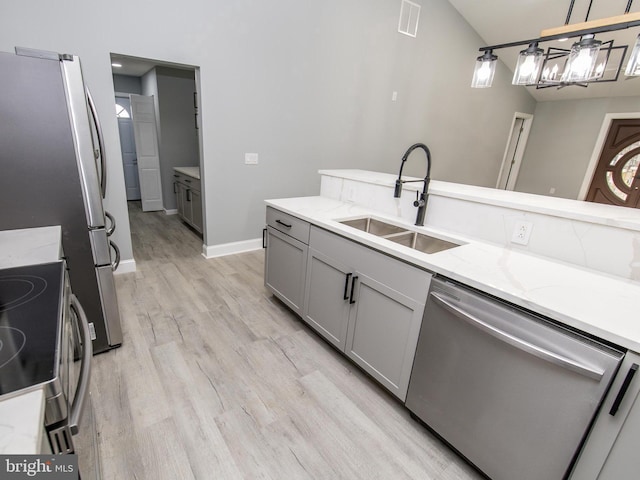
<point x="186" y="180"/>
<point x="292" y="226"/>
<point x="398" y="275"/>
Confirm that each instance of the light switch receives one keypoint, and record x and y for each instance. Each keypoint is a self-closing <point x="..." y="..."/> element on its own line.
<point x="394" y="96"/>
<point x="251" y="159"/>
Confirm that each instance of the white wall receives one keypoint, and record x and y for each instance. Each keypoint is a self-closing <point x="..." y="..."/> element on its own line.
<point x="562" y="140"/>
<point x="307" y="85"/>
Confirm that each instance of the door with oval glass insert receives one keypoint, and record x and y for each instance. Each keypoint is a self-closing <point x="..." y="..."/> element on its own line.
<point x="616" y="180"/>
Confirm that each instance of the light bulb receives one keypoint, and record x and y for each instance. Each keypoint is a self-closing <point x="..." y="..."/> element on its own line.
<point x="527" y="67"/>
<point x="485" y="71"/>
<point x="600" y="69"/>
<point x="582" y="63"/>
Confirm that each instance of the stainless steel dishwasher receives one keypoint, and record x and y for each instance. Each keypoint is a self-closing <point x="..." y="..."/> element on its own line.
<point x="511" y="392"/>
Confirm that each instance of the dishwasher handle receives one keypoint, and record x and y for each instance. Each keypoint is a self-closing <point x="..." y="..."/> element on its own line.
<point x="623" y="389"/>
<point x="519" y="343"/>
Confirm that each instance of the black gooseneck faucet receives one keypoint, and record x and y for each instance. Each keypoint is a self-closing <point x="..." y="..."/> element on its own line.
<point x="421" y="203"/>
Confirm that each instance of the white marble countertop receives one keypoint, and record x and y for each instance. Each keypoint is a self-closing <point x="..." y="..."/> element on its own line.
<point x="190" y="171"/>
<point x="602" y="305"/>
<point x="628" y="218"/>
<point x="22" y="414"/>
<point x="30" y="246"/>
<point x="22" y="423"/>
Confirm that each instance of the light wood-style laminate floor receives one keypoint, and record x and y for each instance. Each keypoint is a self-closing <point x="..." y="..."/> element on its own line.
<point x="216" y="379"/>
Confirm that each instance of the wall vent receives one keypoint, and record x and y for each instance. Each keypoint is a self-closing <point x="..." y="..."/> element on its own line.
<point x="409" y="16"/>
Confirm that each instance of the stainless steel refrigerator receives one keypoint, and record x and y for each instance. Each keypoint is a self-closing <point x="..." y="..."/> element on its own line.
<point x="53" y="172"/>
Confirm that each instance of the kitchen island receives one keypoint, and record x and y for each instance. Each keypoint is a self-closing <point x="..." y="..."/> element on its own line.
<point x="543" y="274"/>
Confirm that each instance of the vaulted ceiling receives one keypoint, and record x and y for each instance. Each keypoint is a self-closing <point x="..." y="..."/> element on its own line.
<point x="504" y="21"/>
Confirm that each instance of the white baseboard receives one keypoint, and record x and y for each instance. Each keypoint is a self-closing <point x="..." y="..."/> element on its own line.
<point x="212" y="251"/>
<point x="126" y="266"/>
<point x="172" y="211"/>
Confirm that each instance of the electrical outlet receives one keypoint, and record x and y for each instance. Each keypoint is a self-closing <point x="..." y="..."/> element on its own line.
<point x="522" y="232"/>
<point x="250" y="158"/>
<point x="350" y="194"/>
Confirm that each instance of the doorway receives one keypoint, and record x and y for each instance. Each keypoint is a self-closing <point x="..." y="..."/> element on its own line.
<point x="514" y="152"/>
<point x="173" y="89"/>
<point x="616" y="180"/>
<point x="595" y="161"/>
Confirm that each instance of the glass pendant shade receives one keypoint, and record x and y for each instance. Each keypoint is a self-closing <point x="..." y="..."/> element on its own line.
<point x="529" y="64"/>
<point x="582" y="60"/>
<point x="484" y="70"/>
<point x="633" y="67"/>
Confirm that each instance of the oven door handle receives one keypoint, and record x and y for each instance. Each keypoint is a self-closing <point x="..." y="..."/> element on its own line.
<point x="82" y="390"/>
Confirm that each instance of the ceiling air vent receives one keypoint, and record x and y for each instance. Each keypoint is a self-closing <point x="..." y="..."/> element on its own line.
<point x="409" y="15"/>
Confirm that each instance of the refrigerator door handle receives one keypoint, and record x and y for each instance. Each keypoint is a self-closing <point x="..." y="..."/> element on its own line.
<point x="116" y="262"/>
<point x="103" y="162"/>
<point x="112" y="228"/>
<point x="82" y="390"/>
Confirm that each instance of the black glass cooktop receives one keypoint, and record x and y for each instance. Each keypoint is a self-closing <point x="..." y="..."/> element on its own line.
<point x="30" y="316"/>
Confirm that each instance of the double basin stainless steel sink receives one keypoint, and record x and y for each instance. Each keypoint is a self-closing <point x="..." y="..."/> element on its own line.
<point x="403" y="236"/>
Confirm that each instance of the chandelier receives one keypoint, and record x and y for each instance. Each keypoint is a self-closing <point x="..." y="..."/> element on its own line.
<point x="587" y="61"/>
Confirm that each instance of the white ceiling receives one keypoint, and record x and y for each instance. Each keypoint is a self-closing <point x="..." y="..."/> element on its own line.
<point x="137" y="67"/>
<point x="505" y="21"/>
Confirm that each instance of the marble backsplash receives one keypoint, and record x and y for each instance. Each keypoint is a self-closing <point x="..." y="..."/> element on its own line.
<point x="595" y="244"/>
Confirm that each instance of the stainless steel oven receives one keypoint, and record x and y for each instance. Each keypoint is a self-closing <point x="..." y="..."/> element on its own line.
<point x="45" y="343"/>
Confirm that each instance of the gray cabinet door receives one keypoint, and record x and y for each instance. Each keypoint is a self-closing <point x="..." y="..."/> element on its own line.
<point x="624" y="461"/>
<point x="286" y="268"/>
<point x="196" y="210"/>
<point x="383" y="331"/>
<point x="184" y="203"/>
<point x="178" y="189"/>
<point x="326" y="308"/>
<point x="611" y="448"/>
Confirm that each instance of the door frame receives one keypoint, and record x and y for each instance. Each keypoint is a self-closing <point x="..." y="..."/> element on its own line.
<point x="597" y="149"/>
<point x="518" y="155"/>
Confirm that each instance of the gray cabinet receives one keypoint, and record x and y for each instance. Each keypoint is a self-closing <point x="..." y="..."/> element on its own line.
<point x="188" y="199"/>
<point x="383" y="331"/>
<point x="327" y="300"/>
<point x="286" y="258"/>
<point x="367" y="304"/>
<point x="611" y="449"/>
<point x="196" y="210"/>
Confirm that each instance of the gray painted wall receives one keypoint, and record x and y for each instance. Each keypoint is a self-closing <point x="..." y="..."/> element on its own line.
<point x="307" y="85"/>
<point x="179" y="141"/>
<point x="562" y="140"/>
<point x="127" y="84"/>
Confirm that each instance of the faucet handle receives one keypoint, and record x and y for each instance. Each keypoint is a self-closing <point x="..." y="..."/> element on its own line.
<point x="398" y="190"/>
<point x="419" y="202"/>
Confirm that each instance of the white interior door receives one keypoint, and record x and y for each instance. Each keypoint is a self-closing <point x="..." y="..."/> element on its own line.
<point x="146" y="140"/>
<point x="514" y="152"/>
<point x="128" y="148"/>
